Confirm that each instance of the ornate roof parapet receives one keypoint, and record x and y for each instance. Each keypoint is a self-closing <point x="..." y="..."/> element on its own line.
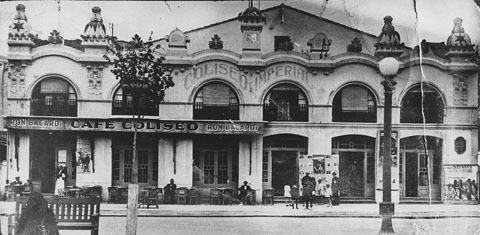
<point x="177" y="43"/>
<point x="459" y="45"/>
<point x="19" y="31"/>
<point x="94" y="34"/>
<point x="252" y="22"/>
<point x="355" y="46"/>
<point x="252" y="15"/>
<point x="319" y="46"/>
<point x="216" y="42"/>
<point x="388" y="43"/>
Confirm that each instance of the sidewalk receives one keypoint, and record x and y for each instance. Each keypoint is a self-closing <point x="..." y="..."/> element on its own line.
<point x="407" y="211"/>
<point x="281" y="210"/>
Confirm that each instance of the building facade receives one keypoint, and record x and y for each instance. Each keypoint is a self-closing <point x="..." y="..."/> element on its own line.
<point x="252" y="95"/>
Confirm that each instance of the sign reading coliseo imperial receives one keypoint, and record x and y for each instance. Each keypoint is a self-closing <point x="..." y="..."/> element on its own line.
<point x="145" y="125"/>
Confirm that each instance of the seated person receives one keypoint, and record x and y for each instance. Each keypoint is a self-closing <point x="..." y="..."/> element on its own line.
<point x="169" y="191"/>
<point x="243" y="191"/>
<point x="17" y="181"/>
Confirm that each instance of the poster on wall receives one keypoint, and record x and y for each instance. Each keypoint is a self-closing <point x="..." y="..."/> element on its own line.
<point x="395" y="168"/>
<point x="83" y="155"/>
<point x="460" y="183"/>
<point x="319" y="164"/>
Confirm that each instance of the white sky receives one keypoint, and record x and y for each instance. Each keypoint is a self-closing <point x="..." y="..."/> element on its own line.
<point x="435" y="17"/>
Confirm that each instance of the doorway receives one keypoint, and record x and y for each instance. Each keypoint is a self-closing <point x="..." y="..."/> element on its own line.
<point x="351" y="170"/>
<point x="356" y="165"/>
<point x="420" y="167"/>
<point x="411" y="175"/>
<point x="284" y="168"/>
<point x="47" y="150"/>
<point x="280" y="156"/>
<point x="216" y="166"/>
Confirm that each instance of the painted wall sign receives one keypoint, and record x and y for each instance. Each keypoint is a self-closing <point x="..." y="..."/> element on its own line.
<point x="246" y="81"/>
<point x="461" y="183"/>
<point x="146" y="125"/>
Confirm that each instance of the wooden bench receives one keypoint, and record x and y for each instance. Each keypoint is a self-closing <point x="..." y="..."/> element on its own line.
<point x="71" y="213"/>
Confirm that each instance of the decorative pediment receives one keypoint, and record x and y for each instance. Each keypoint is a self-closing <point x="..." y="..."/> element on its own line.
<point x="177" y="39"/>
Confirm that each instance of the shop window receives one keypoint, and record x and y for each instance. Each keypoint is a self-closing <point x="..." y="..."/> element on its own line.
<point x="133" y="101"/>
<point x="216" y="101"/>
<point x="422" y="104"/>
<point x="285" y="102"/>
<point x="53" y="97"/>
<point x="354" y="103"/>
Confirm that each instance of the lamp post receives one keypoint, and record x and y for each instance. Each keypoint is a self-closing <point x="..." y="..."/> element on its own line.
<point x="388" y="68"/>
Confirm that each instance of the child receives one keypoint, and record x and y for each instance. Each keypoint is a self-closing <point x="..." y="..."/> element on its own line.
<point x="328" y="194"/>
<point x="295" y="193"/>
<point x="287" y="195"/>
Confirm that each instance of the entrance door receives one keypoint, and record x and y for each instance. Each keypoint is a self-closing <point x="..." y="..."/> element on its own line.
<point x="64" y="156"/>
<point x="147" y="166"/>
<point x="352" y="172"/>
<point x="284" y="169"/>
<point x="216" y="166"/>
<point x="411" y="174"/>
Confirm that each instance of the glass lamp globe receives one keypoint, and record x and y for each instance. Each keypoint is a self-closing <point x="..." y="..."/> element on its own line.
<point x="389" y="66"/>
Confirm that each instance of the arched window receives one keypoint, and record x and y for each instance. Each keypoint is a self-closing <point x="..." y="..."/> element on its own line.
<point x="354" y="103"/>
<point x="53" y="97"/>
<point x="422" y="106"/>
<point x="285" y="102"/>
<point x="216" y="101"/>
<point x="133" y="101"/>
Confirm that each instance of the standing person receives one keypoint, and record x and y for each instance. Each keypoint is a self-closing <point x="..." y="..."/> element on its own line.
<point x="295" y="193"/>
<point x="287" y="195"/>
<point x="61" y="177"/>
<point x="328" y="195"/>
<point x="336" y="188"/>
<point x="320" y="189"/>
<point x="308" y="186"/>
<point x="170" y="190"/>
<point x="243" y="192"/>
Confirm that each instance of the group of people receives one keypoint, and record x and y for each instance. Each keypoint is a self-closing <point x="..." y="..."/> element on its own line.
<point x="311" y="191"/>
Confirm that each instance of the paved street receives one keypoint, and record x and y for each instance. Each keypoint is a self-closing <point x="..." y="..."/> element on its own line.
<point x="415" y="219"/>
<point x="287" y="226"/>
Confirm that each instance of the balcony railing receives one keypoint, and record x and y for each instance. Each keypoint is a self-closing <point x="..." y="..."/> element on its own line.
<point x="42" y="107"/>
<point x="369" y="115"/>
<point x="121" y="107"/>
<point x="295" y="113"/>
<point x="214" y="112"/>
<point x="414" y="115"/>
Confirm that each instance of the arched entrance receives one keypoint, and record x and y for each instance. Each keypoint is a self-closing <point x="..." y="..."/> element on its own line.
<point x="420" y="167"/>
<point x="280" y="166"/>
<point x="356" y="164"/>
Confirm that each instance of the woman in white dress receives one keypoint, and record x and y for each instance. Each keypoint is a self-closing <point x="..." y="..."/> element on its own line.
<point x="61" y="176"/>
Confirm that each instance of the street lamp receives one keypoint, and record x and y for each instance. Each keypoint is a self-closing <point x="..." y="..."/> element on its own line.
<point x="388" y="68"/>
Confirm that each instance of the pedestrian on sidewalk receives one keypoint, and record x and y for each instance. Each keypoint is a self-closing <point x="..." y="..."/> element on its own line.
<point x="336" y="189"/>
<point x="328" y="195"/>
<point x="320" y="190"/>
<point x="295" y="193"/>
<point x="286" y="195"/>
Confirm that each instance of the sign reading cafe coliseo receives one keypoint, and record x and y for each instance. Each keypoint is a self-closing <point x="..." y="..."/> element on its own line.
<point x="145" y="125"/>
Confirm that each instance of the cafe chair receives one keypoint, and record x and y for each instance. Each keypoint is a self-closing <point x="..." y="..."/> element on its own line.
<point x="182" y="196"/>
<point x="215" y="196"/>
<point x="123" y="195"/>
<point x="9" y="193"/>
<point x="112" y="194"/>
<point x="267" y="196"/>
<point x="153" y="197"/>
<point x="61" y="192"/>
<point x="227" y="197"/>
<point x="27" y="191"/>
<point x="249" y="198"/>
<point x="95" y="191"/>
<point x="193" y="197"/>
<point x="160" y="196"/>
